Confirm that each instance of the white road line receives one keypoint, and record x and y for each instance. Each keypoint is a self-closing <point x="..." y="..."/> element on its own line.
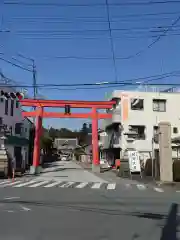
<point x="158" y="189"/>
<point x="39" y="184"/>
<point x="111" y="186"/>
<point x="9" y="198"/>
<point x="25" y="208"/>
<point x="82" y="185"/>
<point x="66" y="185"/>
<point x="141" y="186"/>
<point x="96" y="185"/>
<point x="128" y="185"/>
<point x="25" y="183"/>
<point x="6" y="181"/>
<point x="53" y="184"/>
<point x="11" y="184"/>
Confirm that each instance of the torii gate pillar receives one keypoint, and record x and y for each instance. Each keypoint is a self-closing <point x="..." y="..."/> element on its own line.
<point x="95" y="145"/>
<point x="36" y="168"/>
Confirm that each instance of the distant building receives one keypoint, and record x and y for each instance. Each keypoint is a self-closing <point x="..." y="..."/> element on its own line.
<point x="65" y="145"/>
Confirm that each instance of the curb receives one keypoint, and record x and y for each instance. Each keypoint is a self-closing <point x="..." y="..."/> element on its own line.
<point x="168" y="184"/>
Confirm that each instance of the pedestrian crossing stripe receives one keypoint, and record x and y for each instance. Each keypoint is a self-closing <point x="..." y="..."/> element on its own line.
<point x="35" y="183"/>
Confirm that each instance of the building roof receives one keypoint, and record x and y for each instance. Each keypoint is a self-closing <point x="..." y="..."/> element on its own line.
<point x="29" y="120"/>
<point x="66" y="142"/>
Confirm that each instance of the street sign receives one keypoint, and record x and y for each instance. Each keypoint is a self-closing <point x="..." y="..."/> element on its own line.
<point x="134" y="161"/>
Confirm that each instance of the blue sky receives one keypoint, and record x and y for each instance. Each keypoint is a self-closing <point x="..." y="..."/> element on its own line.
<point x="40" y="32"/>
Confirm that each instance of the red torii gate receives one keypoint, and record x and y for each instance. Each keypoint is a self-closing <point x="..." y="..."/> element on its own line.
<point x="39" y="113"/>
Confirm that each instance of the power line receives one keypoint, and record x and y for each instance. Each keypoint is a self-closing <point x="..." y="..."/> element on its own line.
<point x="110" y="29"/>
<point x="35" y="90"/>
<point x="133" y="81"/>
<point x="73" y="37"/>
<point x="55" y="4"/>
<point x="15" y="65"/>
<point x="154" y="42"/>
<point x="111" y="41"/>
<point x="90" y="20"/>
<point x="94" y="17"/>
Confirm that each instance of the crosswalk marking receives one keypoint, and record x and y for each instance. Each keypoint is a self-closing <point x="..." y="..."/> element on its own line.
<point x="53" y="184"/>
<point x="39" y="184"/>
<point x="82" y="185"/>
<point x="66" y="185"/>
<point x="141" y="187"/>
<point x="11" y="183"/>
<point x="50" y="183"/>
<point x="158" y="189"/>
<point x="1" y="183"/>
<point x="111" y="186"/>
<point x="96" y="185"/>
<point x="25" y="183"/>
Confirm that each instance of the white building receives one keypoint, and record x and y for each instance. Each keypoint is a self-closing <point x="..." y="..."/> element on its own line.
<point x="135" y="120"/>
<point x="17" y="141"/>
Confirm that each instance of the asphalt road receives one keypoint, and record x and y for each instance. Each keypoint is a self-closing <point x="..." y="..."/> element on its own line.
<point x="67" y="202"/>
<point x="55" y="213"/>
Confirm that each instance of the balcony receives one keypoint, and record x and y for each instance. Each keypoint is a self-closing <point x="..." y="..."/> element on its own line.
<point x="116" y="119"/>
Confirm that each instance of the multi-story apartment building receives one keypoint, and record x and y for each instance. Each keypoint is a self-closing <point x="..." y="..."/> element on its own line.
<point x="17" y="140"/>
<point x="135" y="121"/>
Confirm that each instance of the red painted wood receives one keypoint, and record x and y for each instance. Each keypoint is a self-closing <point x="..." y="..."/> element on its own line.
<point x="63" y="115"/>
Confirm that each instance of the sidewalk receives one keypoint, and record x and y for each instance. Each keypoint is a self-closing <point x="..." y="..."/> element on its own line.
<point x="110" y="175"/>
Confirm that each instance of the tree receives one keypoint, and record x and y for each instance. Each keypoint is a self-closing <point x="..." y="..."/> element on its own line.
<point x="46" y="144"/>
<point x="84" y="128"/>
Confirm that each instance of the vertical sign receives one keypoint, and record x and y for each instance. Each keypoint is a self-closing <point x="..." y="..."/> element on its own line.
<point x="134" y="161"/>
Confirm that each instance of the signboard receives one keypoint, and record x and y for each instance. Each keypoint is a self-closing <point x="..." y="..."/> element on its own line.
<point x="134" y="161"/>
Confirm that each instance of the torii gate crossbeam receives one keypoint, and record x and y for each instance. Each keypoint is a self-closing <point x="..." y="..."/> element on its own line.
<point x="39" y="114"/>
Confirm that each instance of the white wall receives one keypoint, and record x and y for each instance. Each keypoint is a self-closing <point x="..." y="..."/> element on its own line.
<point x="8" y="119"/>
<point x="148" y="117"/>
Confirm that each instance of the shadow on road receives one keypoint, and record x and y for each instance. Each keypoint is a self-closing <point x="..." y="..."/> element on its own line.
<point x="169" y="230"/>
<point x="61" y="169"/>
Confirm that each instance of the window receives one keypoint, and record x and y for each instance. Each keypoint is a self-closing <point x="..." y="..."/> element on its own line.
<point x="12" y="107"/>
<point x="17" y="104"/>
<point x="2" y="100"/>
<point x="10" y="129"/>
<point x="137" y="104"/>
<point x="175" y="130"/>
<point x="155" y="134"/>
<point x="6" y="107"/>
<point x="1" y="121"/>
<point x="159" y="105"/>
<point x="18" y="128"/>
<point x="140" y="131"/>
<point x="155" y="129"/>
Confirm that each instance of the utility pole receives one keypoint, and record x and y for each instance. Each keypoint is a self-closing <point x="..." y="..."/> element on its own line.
<point x="34" y="81"/>
<point x="35" y="92"/>
<point x="34" y="86"/>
